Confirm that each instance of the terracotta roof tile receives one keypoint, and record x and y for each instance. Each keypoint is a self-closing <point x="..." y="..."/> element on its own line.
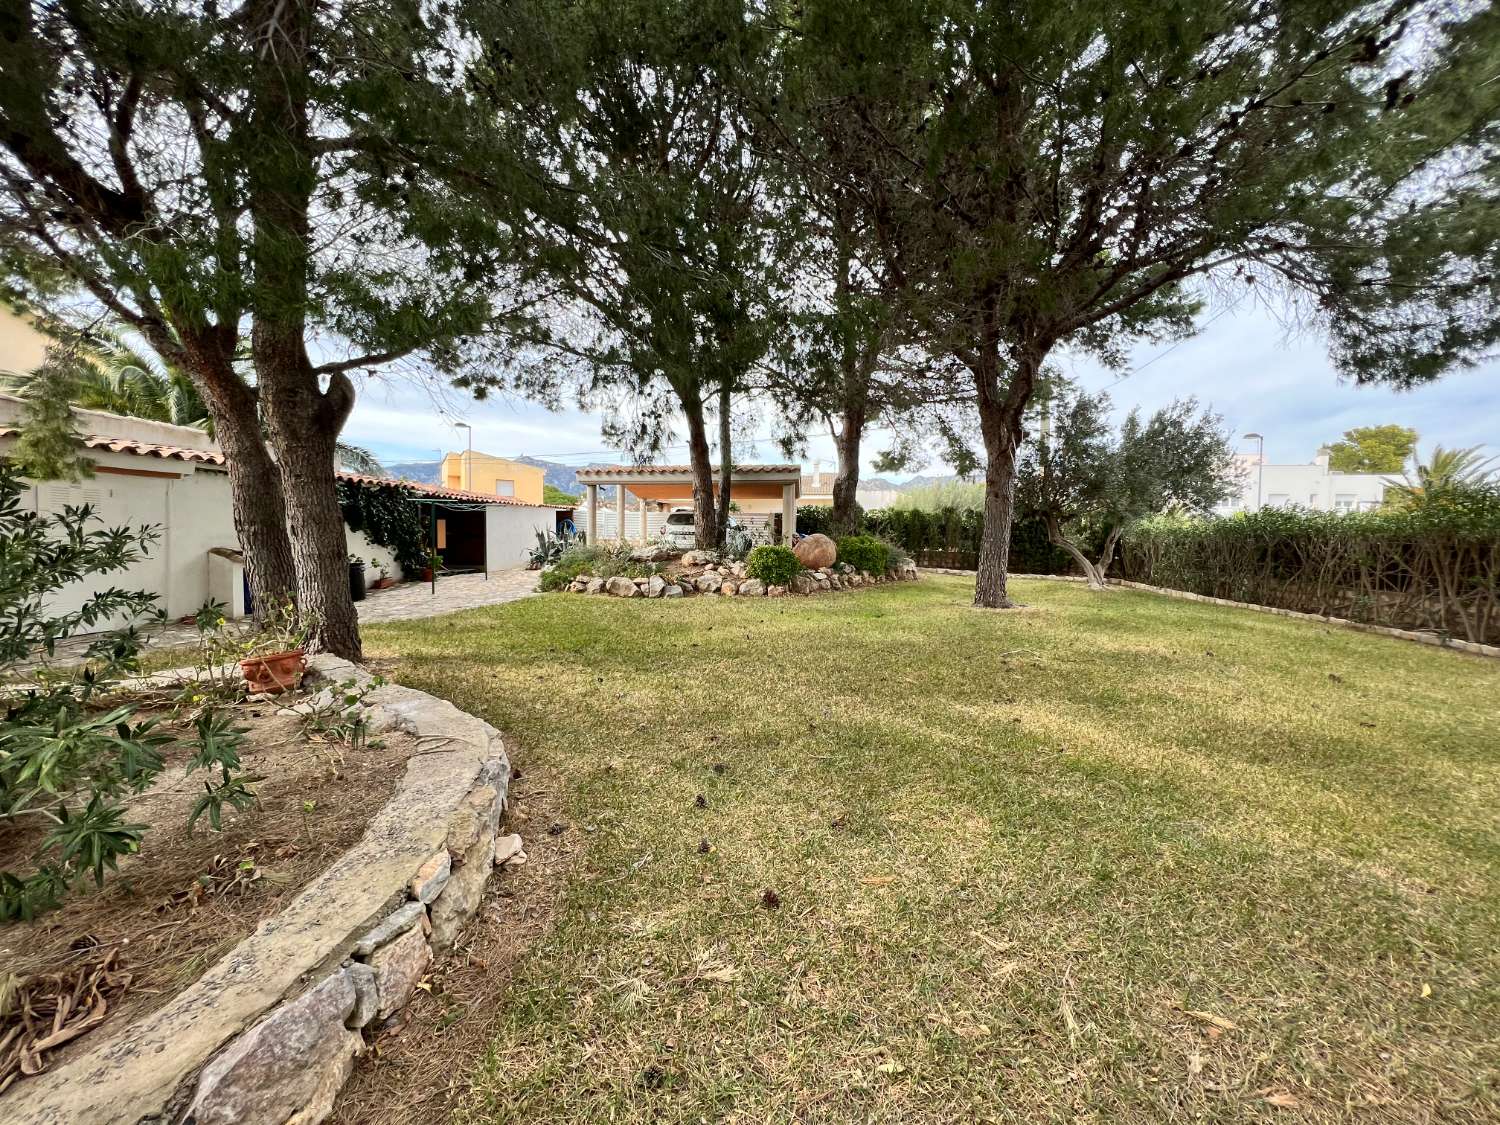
<point x="212" y="457"/>
<point x="675" y="470"/>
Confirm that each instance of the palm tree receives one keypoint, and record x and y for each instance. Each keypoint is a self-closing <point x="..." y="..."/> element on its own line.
<point x="120" y="378"/>
<point x="1446" y="471"/>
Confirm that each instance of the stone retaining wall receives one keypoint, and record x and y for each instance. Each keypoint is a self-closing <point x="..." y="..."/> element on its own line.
<point x="1472" y="647"/>
<point x="269" y="1034"/>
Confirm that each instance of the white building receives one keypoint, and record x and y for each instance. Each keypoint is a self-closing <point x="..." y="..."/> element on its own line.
<point x="174" y="477"/>
<point x="1314" y="486"/>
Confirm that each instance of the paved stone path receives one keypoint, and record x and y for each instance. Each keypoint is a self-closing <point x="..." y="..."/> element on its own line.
<point x="399" y="603"/>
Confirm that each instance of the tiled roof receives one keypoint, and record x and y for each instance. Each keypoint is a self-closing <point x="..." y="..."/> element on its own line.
<point x="212" y="457"/>
<point x="678" y="470"/>
<point x="141" y="448"/>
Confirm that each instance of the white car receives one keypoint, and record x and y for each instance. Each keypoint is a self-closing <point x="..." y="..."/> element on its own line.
<point x="678" y="532"/>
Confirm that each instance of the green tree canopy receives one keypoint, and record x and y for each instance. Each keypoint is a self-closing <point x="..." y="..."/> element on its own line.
<point x="1372" y="449"/>
<point x="1045" y="176"/>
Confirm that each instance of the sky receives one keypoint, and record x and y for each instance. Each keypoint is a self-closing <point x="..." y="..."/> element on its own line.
<point x="1243" y="364"/>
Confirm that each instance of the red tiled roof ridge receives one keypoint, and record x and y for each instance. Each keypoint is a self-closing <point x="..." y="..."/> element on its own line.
<point x="645" y="470"/>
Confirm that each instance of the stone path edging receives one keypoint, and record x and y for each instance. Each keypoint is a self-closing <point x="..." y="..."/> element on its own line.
<point x="277" y="1020"/>
<point x="1474" y="648"/>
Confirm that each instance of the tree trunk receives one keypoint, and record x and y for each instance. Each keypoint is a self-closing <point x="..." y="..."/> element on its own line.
<point x="726" y="467"/>
<point x="844" y="517"/>
<point x="1058" y="539"/>
<point x="254" y="491"/>
<point x="1000" y="412"/>
<point x="1107" y="552"/>
<point x="704" y="515"/>
<point x="303" y="421"/>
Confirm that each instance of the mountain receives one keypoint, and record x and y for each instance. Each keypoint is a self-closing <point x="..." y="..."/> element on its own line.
<point x="423" y="472"/>
<point x="556" y="474"/>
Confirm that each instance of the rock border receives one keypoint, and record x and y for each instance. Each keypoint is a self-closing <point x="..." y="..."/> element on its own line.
<point x="270" y="1032"/>
<point x="1436" y="640"/>
<point x="731" y="580"/>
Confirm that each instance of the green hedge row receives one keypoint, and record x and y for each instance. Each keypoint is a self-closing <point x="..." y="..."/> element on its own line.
<point x="1435" y="567"/>
<point x="950" y="537"/>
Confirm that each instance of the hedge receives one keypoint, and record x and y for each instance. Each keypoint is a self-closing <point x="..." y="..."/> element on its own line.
<point x="950" y="537"/>
<point x="1436" y="567"/>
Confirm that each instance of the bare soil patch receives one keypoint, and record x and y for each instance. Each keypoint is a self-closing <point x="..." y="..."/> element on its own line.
<point x="418" y="1065"/>
<point x="112" y="954"/>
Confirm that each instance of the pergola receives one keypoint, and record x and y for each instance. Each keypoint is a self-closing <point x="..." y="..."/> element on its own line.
<point x="673" y="484"/>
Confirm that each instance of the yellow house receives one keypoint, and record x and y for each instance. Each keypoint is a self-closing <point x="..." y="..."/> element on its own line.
<point x="22" y="345"/>
<point x="494" y="476"/>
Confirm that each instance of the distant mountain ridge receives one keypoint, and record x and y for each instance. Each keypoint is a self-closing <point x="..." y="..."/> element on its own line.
<point x="554" y="473"/>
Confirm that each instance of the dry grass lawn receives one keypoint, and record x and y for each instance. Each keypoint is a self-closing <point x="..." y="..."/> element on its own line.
<point x="884" y="857"/>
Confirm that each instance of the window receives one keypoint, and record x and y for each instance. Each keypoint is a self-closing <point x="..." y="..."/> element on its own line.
<point x="1312" y="501"/>
<point x="1278" y="500"/>
<point x="505" y="488"/>
<point x="1344" y="502"/>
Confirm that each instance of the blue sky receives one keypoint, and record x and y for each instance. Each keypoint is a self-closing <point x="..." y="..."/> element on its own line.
<point x="1243" y="364"/>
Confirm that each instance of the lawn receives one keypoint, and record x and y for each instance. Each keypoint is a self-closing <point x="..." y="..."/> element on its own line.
<point x="1110" y="857"/>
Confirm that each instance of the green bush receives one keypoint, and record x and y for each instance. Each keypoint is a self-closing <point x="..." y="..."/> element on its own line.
<point x="814" y="519"/>
<point x="775" y="566"/>
<point x="1435" y="568"/>
<point x="865" y="552"/>
<point x="599" y="562"/>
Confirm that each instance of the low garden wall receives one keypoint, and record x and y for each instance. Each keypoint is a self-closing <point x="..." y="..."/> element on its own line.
<point x="730" y="579"/>
<point x="269" y="1033"/>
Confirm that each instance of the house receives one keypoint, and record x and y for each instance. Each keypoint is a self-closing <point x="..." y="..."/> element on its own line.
<point x="492" y="476"/>
<point x="1314" y="486"/>
<point x="23" y="346"/>
<point x="175" y="478"/>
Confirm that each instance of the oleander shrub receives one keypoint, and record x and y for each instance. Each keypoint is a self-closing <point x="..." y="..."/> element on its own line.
<point x="865" y="552"/>
<point x="773" y="565"/>
<point x="814" y="519"/>
<point x="1433" y="567"/>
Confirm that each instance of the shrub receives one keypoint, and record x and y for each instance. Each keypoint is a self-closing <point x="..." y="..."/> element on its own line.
<point x="775" y="566"/>
<point x="865" y="552"/>
<point x="1436" y="567"/>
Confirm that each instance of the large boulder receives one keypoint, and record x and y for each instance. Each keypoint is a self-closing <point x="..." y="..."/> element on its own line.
<point x="816" y="551"/>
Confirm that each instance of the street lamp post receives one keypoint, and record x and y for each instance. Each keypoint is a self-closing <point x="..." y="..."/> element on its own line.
<point x="468" y="457"/>
<point x="1260" y="465"/>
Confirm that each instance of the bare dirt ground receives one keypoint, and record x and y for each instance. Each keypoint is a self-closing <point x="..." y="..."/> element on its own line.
<point x="188" y="897"/>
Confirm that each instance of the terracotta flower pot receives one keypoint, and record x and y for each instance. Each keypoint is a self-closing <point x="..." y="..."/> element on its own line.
<point x="275" y="672"/>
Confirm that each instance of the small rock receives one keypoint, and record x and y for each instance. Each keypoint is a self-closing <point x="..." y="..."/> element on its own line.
<point x="431" y="877"/>
<point x="776" y="591"/>
<point x="452" y="909"/>
<point x="399" y="967"/>
<point x="622" y="587"/>
<point x="595" y="586"/>
<point x="409" y="916"/>
<point x="654" y="552"/>
<point x="655" y="586"/>
<point x="752" y="588"/>
<point x="729" y="589"/>
<point x="505" y="847"/>
<point x="366" y="994"/>
<point x="672" y="590"/>
<point x="709" y="583"/>
<point x="802" y="584"/>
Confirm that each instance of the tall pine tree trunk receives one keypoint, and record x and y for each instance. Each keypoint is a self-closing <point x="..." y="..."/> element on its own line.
<point x="303" y="421"/>
<point x="705" y="517"/>
<point x="1000" y="413"/>
<point x="726" y="466"/>
<point x="844" y="518"/>
<point x="254" y="484"/>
